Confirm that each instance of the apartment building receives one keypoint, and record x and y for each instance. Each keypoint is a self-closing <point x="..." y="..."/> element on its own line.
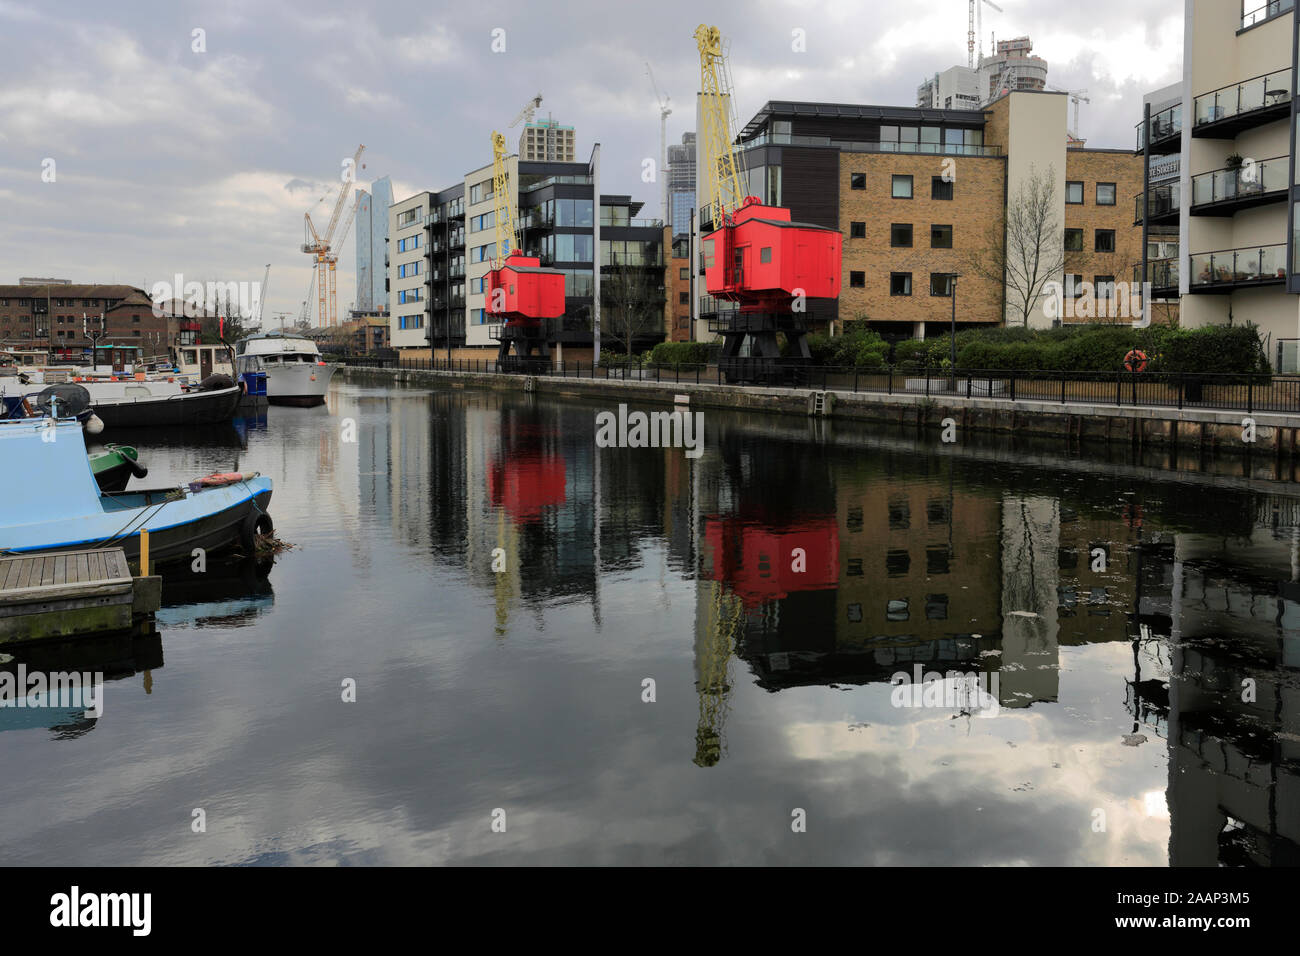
<point x="918" y="192"/>
<point x="1163" y="207"/>
<point x="1234" y="131"/>
<point x="53" y="317"/>
<point x="679" y="294"/>
<point x="442" y="245"/>
<point x="547" y="141"/>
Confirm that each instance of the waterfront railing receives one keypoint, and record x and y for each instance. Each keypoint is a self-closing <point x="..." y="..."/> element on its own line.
<point x="1245" y="392"/>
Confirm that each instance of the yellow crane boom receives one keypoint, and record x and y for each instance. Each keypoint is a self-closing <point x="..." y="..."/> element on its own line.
<point x="507" y="231"/>
<point x="725" y="194"/>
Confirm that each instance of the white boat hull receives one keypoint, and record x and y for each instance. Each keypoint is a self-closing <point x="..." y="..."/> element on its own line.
<point x="293" y="383"/>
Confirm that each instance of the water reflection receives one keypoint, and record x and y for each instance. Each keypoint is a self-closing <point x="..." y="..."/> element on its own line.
<point x="505" y="589"/>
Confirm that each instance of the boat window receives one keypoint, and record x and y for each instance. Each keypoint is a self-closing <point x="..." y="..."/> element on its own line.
<point x="190" y="357"/>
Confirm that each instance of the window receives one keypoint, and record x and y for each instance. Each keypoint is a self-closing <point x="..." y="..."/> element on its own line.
<point x="1074" y="240"/>
<point x="939" y="188"/>
<point x="941" y="237"/>
<point x="936" y="559"/>
<point x="900" y="515"/>
<point x="708" y="253"/>
<point x="900" y="235"/>
<point x="407" y="217"/>
<point x="407" y="244"/>
<point x="408" y="269"/>
<point x="857" y="230"/>
<point x="684" y="273"/>
<point x="1105" y="241"/>
<point x="478" y="316"/>
<point x="483" y="253"/>
<point x="902" y="187"/>
<point x="941" y="284"/>
<point x="896" y="610"/>
<point x="410" y="322"/>
<point x="897" y="563"/>
<point x="857" y="180"/>
<point x="683" y="298"/>
<point x="1074" y="194"/>
<point x="936" y="511"/>
<point x="900" y="283"/>
<point x="1105" y="194"/>
<point x="936" y="607"/>
<point x="408" y="295"/>
<point x="855" y="567"/>
<point x="854" y="520"/>
<point x="1105" y="287"/>
<point x="1073" y="284"/>
<point x="857" y="280"/>
<point x="135" y="318"/>
<point x="765" y="255"/>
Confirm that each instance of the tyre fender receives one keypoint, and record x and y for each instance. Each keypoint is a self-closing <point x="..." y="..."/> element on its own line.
<point x="256" y="522"/>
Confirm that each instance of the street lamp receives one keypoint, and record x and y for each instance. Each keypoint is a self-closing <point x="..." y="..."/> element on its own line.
<point x="953" y="336"/>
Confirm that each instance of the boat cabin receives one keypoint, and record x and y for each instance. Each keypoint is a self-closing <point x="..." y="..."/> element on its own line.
<point x="200" y="361"/>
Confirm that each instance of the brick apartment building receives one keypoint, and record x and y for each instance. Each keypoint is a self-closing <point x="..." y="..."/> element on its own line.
<point x="678" y="305"/>
<point x="917" y="191"/>
<point x="53" y="317"/>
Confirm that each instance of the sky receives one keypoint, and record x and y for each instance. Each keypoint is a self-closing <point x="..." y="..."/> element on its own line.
<point x="133" y="149"/>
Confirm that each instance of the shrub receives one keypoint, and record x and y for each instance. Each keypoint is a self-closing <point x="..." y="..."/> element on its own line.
<point x="686" y="353"/>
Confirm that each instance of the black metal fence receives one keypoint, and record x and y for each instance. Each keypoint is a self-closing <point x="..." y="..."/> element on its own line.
<point x="1246" y="392"/>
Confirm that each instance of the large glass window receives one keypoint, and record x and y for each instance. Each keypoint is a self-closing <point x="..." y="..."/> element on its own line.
<point x="582" y="212"/>
<point x="1074" y="194"/>
<point x="564" y="212"/>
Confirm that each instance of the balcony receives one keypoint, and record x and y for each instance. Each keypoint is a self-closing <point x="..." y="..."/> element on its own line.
<point x="1224" y="192"/>
<point x="537" y="219"/>
<point x="1166" y="131"/>
<point x="1217" y="273"/>
<point x="456" y="272"/>
<point x="856" y="146"/>
<point x="1163" y="206"/>
<point x="456" y="240"/>
<point x="456" y="302"/>
<point x="1163" y="276"/>
<point x="1227" y="112"/>
<point x="1265" y="11"/>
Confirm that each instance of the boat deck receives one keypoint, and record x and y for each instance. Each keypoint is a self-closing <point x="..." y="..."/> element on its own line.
<point x="74" y="592"/>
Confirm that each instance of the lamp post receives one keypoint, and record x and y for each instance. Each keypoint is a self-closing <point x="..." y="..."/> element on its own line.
<point x="953" y="334"/>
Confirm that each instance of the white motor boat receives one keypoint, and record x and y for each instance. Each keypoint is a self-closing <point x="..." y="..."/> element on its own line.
<point x="295" y="372"/>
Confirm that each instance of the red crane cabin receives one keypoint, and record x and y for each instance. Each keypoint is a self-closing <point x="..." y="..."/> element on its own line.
<point x="526" y="291"/>
<point x="762" y="257"/>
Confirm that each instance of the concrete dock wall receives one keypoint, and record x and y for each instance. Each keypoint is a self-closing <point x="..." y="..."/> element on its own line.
<point x="1273" y="435"/>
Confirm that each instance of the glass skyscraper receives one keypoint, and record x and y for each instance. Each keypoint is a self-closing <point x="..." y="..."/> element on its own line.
<point x="372" y="235"/>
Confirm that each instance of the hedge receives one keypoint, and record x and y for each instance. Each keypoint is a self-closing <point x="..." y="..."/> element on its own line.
<point x="685" y="353"/>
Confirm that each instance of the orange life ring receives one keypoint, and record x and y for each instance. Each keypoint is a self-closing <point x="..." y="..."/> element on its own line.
<point x="1135" y="361"/>
<point x="222" y="478"/>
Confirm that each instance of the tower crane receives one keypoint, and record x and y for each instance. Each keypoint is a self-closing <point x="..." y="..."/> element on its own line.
<point x="526" y="114"/>
<point x="664" y="112"/>
<point x="755" y="255"/>
<point x="1076" y="97"/>
<point x="261" y="298"/>
<point x="324" y="249"/>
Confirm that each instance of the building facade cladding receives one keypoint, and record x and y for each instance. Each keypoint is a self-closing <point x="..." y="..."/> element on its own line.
<point x="365" y="300"/>
<point x="408" y="294"/>
<point x="381" y="197"/>
<point x="681" y="184"/>
<point x="1101" y="225"/>
<point x="1239" y="265"/>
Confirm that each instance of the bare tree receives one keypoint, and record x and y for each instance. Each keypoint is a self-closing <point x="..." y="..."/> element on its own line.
<point x="632" y="302"/>
<point x="1024" y="251"/>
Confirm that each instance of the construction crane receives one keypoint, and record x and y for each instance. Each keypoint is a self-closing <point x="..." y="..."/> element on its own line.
<point x="507" y="232"/>
<point x="755" y="255"/>
<point x="261" y="299"/>
<point x="977" y="29"/>
<point x="526" y="114"/>
<point x="664" y="112"/>
<point x="1076" y="97"/>
<point x="324" y="249"/>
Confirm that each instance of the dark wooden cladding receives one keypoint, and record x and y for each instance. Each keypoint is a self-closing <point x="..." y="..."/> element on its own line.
<point x="810" y="185"/>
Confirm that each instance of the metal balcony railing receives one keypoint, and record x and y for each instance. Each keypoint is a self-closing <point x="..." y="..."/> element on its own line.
<point x="1241" y="99"/>
<point x="1161" y="273"/>
<point x="1266" y="10"/>
<point x="1230" y="267"/>
<point x="1166" y="123"/>
<point x="1164" y="201"/>
<point x="1249" y="180"/>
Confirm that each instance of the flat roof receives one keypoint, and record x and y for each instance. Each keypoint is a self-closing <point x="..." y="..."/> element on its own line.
<point x="773" y="108"/>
